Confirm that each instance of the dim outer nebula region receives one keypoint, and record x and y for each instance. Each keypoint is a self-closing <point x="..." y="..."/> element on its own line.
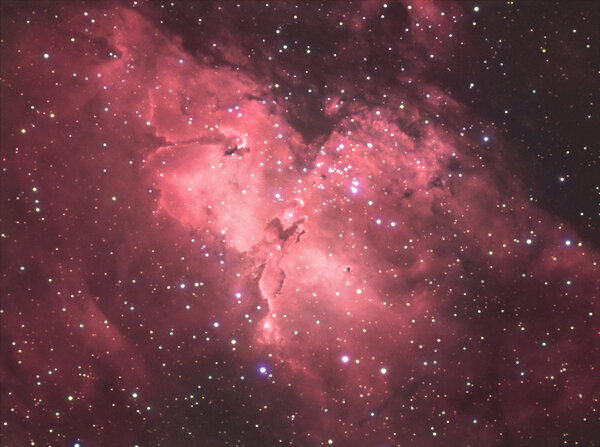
<point x="244" y="228"/>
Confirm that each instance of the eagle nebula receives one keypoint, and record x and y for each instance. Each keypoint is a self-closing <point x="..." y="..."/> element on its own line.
<point x="300" y="223"/>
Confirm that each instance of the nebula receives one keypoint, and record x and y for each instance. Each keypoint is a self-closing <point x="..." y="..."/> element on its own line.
<point x="264" y="224"/>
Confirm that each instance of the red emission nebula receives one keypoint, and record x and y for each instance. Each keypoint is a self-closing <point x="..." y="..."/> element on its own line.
<point x="284" y="223"/>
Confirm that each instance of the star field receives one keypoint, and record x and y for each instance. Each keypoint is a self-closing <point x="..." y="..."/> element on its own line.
<point x="300" y="223"/>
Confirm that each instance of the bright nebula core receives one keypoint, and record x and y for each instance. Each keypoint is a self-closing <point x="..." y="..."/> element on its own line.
<point x="300" y="223"/>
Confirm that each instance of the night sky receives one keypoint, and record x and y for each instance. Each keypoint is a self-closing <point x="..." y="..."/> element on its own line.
<point x="300" y="223"/>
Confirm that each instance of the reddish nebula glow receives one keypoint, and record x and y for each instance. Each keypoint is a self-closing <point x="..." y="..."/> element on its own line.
<point x="210" y="246"/>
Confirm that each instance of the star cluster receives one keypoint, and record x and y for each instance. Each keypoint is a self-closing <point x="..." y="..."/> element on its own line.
<point x="299" y="223"/>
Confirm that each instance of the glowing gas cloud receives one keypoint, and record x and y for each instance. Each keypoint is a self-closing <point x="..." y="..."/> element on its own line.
<point x="276" y="224"/>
